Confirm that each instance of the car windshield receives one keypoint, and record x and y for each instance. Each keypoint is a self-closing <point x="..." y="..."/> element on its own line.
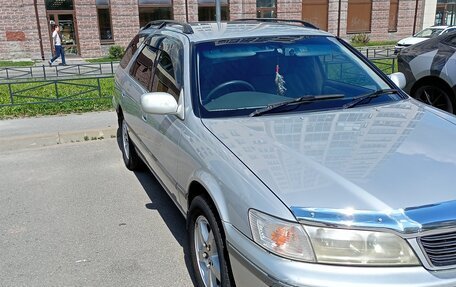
<point x="237" y="77"/>
<point x="429" y="33"/>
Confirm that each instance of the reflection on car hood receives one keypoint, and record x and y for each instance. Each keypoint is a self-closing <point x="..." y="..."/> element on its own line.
<point x="411" y="40"/>
<point x="371" y="158"/>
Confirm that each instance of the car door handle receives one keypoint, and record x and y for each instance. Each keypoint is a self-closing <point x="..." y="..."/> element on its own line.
<point x="144" y="117"/>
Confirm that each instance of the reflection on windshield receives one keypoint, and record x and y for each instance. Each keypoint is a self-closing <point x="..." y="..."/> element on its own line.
<point x="256" y="72"/>
<point x="429" y="33"/>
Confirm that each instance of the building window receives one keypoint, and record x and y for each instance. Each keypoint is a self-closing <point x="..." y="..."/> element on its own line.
<point x="206" y="10"/>
<point x="316" y="12"/>
<point x="151" y="10"/>
<point x="359" y="16"/>
<point x="445" y="13"/>
<point x="59" y="4"/>
<point x="394" y="7"/>
<point x="104" y="21"/>
<point x="266" y="8"/>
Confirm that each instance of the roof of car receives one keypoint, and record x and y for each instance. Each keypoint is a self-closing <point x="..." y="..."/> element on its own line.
<point x="440" y="27"/>
<point x="209" y="31"/>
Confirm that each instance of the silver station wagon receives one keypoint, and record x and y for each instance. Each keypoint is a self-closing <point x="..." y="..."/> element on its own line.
<point x="294" y="160"/>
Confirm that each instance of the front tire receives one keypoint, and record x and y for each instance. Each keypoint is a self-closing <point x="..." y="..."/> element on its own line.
<point x="130" y="157"/>
<point x="207" y="247"/>
<point x="437" y="96"/>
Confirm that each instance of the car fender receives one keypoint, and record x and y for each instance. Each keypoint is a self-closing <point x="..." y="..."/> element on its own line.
<point x="233" y="199"/>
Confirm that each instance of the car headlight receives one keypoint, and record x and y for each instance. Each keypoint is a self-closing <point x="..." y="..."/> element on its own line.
<point x="330" y="245"/>
<point x="281" y="237"/>
<point x="356" y="247"/>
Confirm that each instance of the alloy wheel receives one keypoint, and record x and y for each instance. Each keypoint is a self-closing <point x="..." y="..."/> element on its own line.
<point x="206" y="253"/>
<point x="436" y="97"/>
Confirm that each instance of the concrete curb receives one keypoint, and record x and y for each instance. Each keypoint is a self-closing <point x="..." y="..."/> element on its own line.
<point x="49" y="139"/>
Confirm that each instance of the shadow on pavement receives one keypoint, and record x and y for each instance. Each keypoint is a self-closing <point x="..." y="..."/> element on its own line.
<point x="161" y="202"/>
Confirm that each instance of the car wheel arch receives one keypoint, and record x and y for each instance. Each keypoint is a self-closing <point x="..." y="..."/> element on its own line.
<point x="436" y="83"/>
<point x="197" y="188"/>
<point x="432" y="80"/>
<point x="120" y="115"/>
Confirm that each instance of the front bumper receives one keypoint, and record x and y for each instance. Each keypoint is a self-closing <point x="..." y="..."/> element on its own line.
<point x="397" y="49"/>
<point x="254" y="266"/>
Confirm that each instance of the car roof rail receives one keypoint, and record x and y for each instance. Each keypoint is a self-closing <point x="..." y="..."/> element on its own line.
<point x="304" y="23"/>
<point x="159" y="24"/>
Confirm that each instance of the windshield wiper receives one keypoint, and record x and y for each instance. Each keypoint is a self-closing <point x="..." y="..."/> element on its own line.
<point x="300" y="100"/>
<point x="375" y="94"/>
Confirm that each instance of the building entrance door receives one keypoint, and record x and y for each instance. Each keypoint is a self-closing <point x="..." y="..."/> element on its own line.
<point x="68" y="30"/>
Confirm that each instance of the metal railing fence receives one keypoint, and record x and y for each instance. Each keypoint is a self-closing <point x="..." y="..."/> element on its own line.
<point x="387" y="65"/>
<point x="14" y="93"/>
<point x="46" y="72"/>
<point x="377" y="52"/>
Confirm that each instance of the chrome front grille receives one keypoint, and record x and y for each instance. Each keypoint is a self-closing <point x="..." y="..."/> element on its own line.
<point x="440" y="248"/>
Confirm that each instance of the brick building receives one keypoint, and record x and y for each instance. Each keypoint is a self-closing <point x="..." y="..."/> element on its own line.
<point x="89" y="27"/>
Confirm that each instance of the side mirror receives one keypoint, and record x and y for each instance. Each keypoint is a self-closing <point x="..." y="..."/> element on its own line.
<point x="159" y="103"/>
<point x="399" y="79"/>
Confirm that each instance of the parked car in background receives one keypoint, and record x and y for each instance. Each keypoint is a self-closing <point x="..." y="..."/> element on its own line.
<point x="423" y="35"/>
<point x="430" y="71"/>
<point x="295" y="161"/>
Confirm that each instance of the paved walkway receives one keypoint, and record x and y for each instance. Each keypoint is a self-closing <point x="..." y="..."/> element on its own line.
<point x="51" y="130"/>
<point x="72" y="60"/>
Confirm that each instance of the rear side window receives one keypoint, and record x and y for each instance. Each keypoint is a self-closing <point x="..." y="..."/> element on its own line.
<point x="131" y="49"/>
<point x="451" y="40"/>
<point x="449" y="30"/>
<point x="143" y="67"/>
<point x="165" y="77"/>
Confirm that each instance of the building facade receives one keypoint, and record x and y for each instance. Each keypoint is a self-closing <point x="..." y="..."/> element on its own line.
<point x="90" y="27"/>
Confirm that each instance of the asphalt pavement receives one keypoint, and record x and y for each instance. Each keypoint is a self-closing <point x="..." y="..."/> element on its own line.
<point x="71" y="214"/>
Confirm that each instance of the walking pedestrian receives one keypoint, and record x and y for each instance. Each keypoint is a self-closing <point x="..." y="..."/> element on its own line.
<point x="58" y="48"/>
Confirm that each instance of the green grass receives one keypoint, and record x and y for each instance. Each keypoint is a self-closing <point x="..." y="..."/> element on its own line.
<point x="86" y="102"/>
<point x="386" y="65"/>
<point x="374" y="43"/>
<point x="102" y="60"/>
<point x="16" y="63"/>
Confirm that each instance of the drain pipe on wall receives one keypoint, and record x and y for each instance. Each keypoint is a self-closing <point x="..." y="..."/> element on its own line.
<point x="416" y="15"/>
<point x="39" y="29"/>
<point x="218" y="12"/>
<point x="338" y="18"/>
<point x="186" y="11"/>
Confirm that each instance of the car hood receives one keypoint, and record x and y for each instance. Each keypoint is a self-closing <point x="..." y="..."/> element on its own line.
<point x="411" y="40"/>
<point x="369" y="158"/>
